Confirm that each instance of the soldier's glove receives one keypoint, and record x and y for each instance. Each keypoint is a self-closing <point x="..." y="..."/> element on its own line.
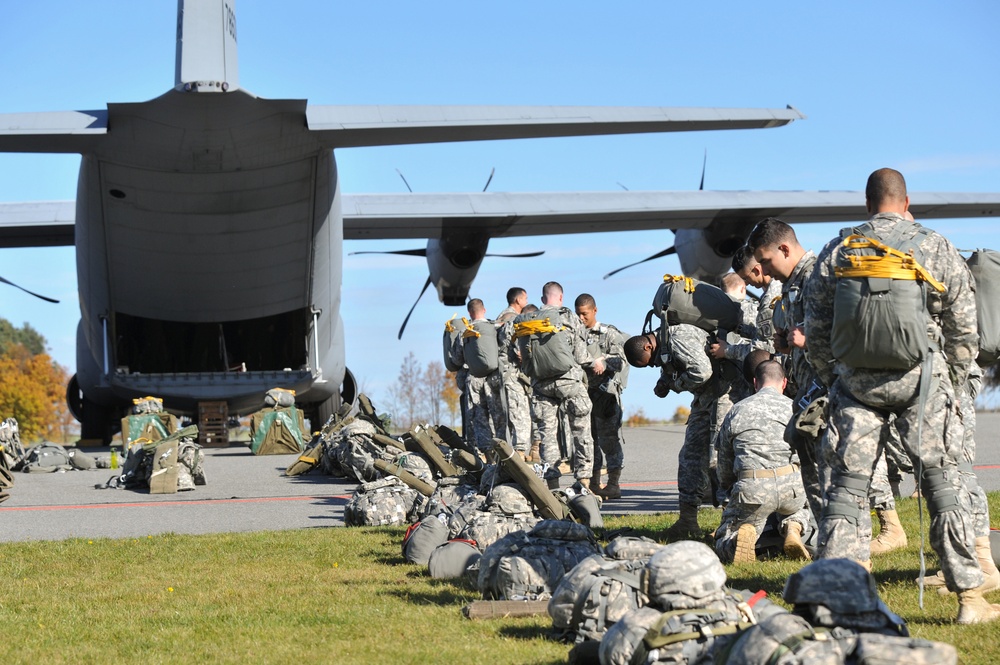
<point x="812" y="420"/>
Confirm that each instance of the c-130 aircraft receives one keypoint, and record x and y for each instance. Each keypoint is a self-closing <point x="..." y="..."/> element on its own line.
<point x="209" y="224"/>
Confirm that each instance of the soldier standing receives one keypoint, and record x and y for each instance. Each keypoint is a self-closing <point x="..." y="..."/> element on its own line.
<point x="922" y="397"/>
<point x="516" y="386"/>
<point x="553" y="352"/>
<point x="607" y="376"/>
<point x="483" y="384"/>
<point x="759" y="470"/>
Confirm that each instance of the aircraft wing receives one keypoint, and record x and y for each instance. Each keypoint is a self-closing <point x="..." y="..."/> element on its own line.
<point x="369" y="216"/>
<point x="38" y="224"/>
<point x="57" y="132"/>
<point x="355" y="126"/>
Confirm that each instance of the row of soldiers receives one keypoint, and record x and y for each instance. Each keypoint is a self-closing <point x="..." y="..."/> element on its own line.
<point x="890" y="365"/>
<point x="531" y="369"/>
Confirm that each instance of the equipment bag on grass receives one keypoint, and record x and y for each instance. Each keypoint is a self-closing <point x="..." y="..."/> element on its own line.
<point x="386" y="502"/>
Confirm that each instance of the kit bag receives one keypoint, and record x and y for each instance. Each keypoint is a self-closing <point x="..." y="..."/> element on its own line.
<point x="880" y="317"/>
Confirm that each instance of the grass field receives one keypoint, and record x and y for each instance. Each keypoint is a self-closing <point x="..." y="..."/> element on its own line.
<point x="333" y="595"/>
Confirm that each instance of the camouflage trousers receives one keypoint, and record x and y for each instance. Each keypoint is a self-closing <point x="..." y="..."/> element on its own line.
<point x="857" y="432"/>
<point x="486" y="414"/>
<point x="570" y="393"/>
<point x="752" y="500"/>
<point x="518" y="412"/>
<point x="606" y="426"/>
<point x="693" y="461"/>
<point x="980" y="509"/>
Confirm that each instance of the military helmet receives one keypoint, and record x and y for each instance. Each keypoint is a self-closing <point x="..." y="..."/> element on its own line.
<point x="685" y="568"/>
<point x="842" y="585"/>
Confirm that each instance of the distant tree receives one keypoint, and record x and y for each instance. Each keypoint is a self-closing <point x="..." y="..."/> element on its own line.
<point x="407" y="393"/>
<point x="26" y="336"/>
<point x="452" y="398"/>
<point x="681" y="415"/>
<point x="33" y="390"/>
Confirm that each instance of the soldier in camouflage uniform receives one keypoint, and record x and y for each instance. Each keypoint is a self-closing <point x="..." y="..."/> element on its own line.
<point x="777" y="250"/>
<point x="516" y="386"/>
<point x="607" y="376"/>
<point x="486" y="413"/>
<point x="568" y="390"/>
<point x="760" y="472"/>
<point x="762" y="337"/>
<point x="861" y="401"/>
<point x="684" y="367"/>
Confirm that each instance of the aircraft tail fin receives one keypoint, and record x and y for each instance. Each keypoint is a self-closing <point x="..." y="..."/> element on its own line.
<point x="206" y="46"/>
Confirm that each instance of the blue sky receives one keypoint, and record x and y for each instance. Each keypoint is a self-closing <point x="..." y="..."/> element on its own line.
<point x="909" y="85"/>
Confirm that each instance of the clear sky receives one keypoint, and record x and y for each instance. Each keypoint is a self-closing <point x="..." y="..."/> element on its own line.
<point x="911" y="85"/>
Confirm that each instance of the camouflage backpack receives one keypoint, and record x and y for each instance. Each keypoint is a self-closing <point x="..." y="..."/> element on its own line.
<point x="10" y="443"/>
<point x="385" y="502"/>
<point x="985" y="267"/>
<point x="451" y="336"/>
<point x="486" y="527"/>
<point x="546" y="346"/>
<point x="600" y="590"/>
<point x="685" y="300"/>
<point x="880" y="316"/>
<point x="45" y="457"/>
<point x="480" y="347"/>
<point x="530" y="565"/>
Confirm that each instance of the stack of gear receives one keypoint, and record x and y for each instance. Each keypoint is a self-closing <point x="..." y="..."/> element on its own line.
<point x="148" y="422"/>
<point x="277" y="429"/>
<point x="167" y="466"/>
<point x="10" y="444"/>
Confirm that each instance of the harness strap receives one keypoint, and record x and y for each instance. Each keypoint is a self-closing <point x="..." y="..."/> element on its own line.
<point x="892" y="264"/>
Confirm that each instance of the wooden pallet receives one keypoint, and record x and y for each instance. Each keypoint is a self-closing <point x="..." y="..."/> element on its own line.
<point x="213" y="424"/>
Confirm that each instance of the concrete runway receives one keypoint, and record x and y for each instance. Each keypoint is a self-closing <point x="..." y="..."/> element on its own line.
<point x="250" y="493"/>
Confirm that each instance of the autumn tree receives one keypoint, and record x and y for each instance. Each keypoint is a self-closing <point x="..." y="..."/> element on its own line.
<point x="422" y="395"/>
<point x="33" y="390"/>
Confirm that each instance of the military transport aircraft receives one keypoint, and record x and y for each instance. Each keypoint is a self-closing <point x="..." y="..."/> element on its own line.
<point x="209" y="223"/>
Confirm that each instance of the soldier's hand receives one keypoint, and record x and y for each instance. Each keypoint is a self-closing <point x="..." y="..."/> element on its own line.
<point x="797" y="338"/>
<point x="661" y="389"/>
<point x="597" y="367"/>
<point x="718" y="350"/>
<point x="781" y="341"/>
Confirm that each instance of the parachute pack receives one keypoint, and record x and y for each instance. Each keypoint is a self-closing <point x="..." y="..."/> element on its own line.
<point x="686" y="300"/>
<point x="481" y="349"/>
<point x="546" y="346"/>
<point x="985" y="267"/>
<point x="880" y="317"/>
<point x="451" y="335"/>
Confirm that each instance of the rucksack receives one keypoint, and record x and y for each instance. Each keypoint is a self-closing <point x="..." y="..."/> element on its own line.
<point x="453" y="559"/>
<point x="386" y="502"/>
<point x="10" y="443"/>
<point x="451" y="335"/>
<point x="277" y="430"/>
<point x="600" y="590"/>
<point x="682" y="299"/>
<point x="45" y="457"/>
<point x="480" y="347"/>
<point x="546" y="346"/>
<point x="486" y="527"/>
<point x="150" y="425"/>
<point x="422" y="538"/>
<point x="530" y="565"/>
<point x="985" y="267"/>
<point x="880" y="316"/>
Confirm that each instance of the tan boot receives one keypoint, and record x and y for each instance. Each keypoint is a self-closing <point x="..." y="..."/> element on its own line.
<point x="612" y="490"/>
<point x="891" y="536"/>
<point x="991" y="576"/>
<point x="746" y="544"/>
<point x="794" y="547"/>
<point x="973" y="608"/>
<point x="686" y="527"/>
<point x="937" y="579"/>
<point x="867" y="565"/>
<point x="584" y="482"/>
<point x="534" y="454"/>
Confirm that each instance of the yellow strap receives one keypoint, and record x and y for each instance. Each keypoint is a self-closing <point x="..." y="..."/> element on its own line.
<point x="448" y="328"/>
<point x="469" y="330"/>
<point x="893" y="264"/>
<point x="774" y="301"/>
<point x="688" y="282"/>
<point x="533" y="327"/>
<point x="307" y="460"/>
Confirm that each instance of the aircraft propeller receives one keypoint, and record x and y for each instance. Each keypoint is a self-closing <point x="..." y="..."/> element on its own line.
<point x="669" y="250"/>
<point x="46" y="298"/>
<point x="407" y="319"/>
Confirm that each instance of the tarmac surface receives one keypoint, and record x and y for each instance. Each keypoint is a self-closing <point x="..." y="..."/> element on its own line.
<point x="245" y="492"/>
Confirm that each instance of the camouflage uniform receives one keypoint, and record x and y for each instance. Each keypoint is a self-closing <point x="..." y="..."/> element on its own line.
<point x="762" y="334"/>
<point x="750" y="440"/>
<point x="570" y="392"/>
<point x="485" y="417"/>
<point x="605" y="341"/>
<point x="967" y="404"/>
<point x="685" y="366"/>
<point x="516" y="386"/>
<point x="859" y="425"/>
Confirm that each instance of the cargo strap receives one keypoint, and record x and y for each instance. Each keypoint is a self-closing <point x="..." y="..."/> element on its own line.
<point x="688" y="282"/>
<point x="534" y="327"/>
<point x="893" y="264"/>
<point x="469" y="330"/>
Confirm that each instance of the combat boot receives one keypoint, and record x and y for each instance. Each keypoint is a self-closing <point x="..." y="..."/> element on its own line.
<point x="595" y="483"/>
<point x="794" y="547"/>
<point x="973" y="608"/>
<point x="991" y="576"/>
<point x="686" y="527"/>
<point x="746" y="544"/>
<point x="612" y="490"/>
<point x="891" y="536"/>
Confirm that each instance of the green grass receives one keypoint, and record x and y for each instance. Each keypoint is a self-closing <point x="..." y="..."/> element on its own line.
<point x="329" y="595"/>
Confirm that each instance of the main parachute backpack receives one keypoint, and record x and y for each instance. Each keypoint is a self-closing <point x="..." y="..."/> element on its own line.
<point x="880" y="317"/>
<point x="482" y="352"/>
<point x="985" y="267"/>
<point x="451" y="334"/>
<point x="546" y="346"/>
<point x="682" y="299"/>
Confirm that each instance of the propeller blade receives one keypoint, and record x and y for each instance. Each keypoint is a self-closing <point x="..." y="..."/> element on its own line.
<point x="404" y="180"/>
<point x="490" y="179"/>
<point x="623" y="186"/>
<point x="526" y="255"/>
<point x="666" y="252"/>
<point x="401" y="252"/>
<point x="407" y="319"/>
<point x="704" y="163"/>
<point x="46" y="298"/>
